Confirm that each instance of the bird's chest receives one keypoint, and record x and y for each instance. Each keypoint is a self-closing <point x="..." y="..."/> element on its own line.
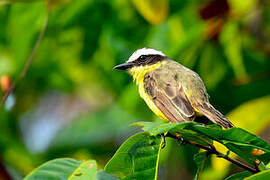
<point x="139" y="73"/>
<point x="149" y="101"/>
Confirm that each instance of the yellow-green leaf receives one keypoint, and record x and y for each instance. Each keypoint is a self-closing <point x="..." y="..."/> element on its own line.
<point x="87" y="170"/>
<point x="154" y="11"/>
<point x="253" y="115"/>
<point x="260" y="176"/>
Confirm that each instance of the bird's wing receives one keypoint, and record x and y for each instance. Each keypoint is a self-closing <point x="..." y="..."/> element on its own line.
<point x="168" y="96"/>
<point x="212" y="114"/>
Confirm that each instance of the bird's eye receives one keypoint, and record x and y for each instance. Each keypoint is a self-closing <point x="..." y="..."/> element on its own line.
<point x="142" y="57"/>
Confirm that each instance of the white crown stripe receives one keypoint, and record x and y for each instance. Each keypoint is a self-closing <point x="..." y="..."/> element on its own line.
<point x="144" y="51"/>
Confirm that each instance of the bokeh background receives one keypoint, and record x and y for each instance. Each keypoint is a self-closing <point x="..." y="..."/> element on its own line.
<point x="71" y="103"/>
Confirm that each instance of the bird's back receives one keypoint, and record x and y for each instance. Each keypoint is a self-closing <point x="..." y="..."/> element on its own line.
<point x="191" y="82"/>
<point x="194" y="89"/>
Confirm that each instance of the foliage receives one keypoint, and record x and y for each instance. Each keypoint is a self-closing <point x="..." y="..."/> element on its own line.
<point x="138" y="157"/>
<point x="71" y="103"/>
<point x="65" y="168"/>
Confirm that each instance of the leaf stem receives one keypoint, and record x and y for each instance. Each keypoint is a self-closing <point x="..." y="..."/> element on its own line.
<point x="212" y="150"/>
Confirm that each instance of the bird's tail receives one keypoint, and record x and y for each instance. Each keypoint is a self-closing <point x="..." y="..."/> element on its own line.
<point x="214" y="115"/>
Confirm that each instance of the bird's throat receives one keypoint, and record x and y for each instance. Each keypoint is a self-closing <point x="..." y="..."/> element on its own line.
<point x="138" y="72"/>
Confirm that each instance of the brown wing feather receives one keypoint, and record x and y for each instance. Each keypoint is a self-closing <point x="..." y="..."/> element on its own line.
<point x="214" y="115"/>
<point x="169" y="97"/>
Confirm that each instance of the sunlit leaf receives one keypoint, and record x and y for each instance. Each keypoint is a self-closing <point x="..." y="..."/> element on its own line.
<point x="260" y="176"/>
<point x="137" y="158"/>
<point x="154" y="11"/>
<point x="239" y="7"/>
<point x="87" y="170"/>
<point x="253" y="115"/>
<point x="65" y="168"/>
<point x="268" y="166"/>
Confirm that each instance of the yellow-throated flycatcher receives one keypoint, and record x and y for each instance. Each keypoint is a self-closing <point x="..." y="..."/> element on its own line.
<point x="172" y="91"/>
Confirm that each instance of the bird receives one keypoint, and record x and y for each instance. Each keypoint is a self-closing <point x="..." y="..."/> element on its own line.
<point x="172" y="91"/>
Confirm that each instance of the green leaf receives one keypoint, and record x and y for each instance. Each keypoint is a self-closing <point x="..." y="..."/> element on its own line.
<point x="239" y="176"/>
<point x="200" y="159"/>
<point x="268" y="166"/>
<point x="87" y="170"/>
<point x="137" y="158"/>
<point x="64" y="168"/>
<point x="102" y="175"/>
<point x="260" y="176"/>
<point x="179" y="128"/>
<point x="239" y="141"/>
<point x="156" y="128"/>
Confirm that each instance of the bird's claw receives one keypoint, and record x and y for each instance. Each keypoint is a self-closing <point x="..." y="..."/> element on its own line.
<point x="163" y="141"/>
<point x="182" y="141"/>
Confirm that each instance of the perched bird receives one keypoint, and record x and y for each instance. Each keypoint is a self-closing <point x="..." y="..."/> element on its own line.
<point x="172" y="91"/>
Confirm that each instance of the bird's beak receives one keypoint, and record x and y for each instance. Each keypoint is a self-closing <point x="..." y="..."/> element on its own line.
<point x="124" y="66"/>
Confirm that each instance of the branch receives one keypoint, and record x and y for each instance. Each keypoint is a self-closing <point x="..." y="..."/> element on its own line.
<point x="30" y="59"/>
<point x="212" y="150"/>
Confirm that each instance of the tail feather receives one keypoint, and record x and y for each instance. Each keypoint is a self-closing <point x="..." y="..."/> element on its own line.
<point x="214" y="115"/>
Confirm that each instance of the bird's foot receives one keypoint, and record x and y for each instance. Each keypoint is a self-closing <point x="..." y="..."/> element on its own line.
<point x="182" y="141"/>
<point x="163" y="141"/>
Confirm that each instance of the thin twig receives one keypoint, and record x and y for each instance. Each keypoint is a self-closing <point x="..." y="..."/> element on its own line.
<point x="212" y="150"/>
<point x="31" y="57"/>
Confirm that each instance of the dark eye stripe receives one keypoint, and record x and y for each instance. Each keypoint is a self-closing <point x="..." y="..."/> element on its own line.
<point x="148" y="59"/>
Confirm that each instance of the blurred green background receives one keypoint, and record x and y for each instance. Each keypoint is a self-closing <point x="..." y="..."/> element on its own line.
<point x="71" y="102"/>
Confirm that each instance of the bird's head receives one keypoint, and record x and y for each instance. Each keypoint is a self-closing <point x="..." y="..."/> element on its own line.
<point x="142" y="60"/>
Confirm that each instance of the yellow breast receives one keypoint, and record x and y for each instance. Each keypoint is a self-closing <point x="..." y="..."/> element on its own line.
<point x="138" y="73"/>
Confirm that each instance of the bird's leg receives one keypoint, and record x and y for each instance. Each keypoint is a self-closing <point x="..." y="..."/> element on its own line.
<point x="163" y="141"/>
<point x="178" y="137"/>
<point x="182" y="141"/>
